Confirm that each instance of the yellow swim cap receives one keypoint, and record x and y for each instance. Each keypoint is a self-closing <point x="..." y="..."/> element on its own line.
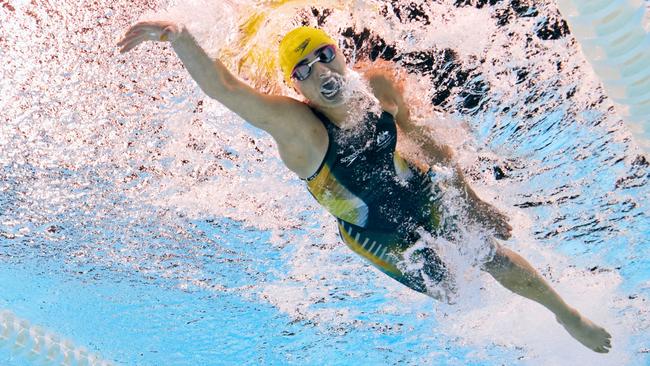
<point x="297" y="44"/>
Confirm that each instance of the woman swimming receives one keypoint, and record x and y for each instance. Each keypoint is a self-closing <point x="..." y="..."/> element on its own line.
<point x="342" y="143"/>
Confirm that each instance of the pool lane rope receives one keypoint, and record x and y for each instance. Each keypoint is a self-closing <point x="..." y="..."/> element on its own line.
<point x="42" y="347"/>
<point x="613" y="39"/>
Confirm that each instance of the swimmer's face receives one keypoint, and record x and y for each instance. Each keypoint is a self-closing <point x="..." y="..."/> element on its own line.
<point x="324" y="82"/>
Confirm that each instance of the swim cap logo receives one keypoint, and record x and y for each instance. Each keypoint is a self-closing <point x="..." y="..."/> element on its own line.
<point x="301" y="48"/>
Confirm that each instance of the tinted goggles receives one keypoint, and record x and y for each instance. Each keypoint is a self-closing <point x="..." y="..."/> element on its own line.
<point x="303" y="69"/>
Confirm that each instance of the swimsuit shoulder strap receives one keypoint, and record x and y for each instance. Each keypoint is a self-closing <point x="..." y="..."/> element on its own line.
<point x="331" y="144"/>
<point x="326" y="121"/>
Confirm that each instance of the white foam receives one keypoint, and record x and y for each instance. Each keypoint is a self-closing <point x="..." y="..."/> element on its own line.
<point x="514" y="322"/>
<point x="211" y="26"/>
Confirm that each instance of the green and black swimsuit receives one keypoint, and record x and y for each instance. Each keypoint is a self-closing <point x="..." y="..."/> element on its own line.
<point x="379" y="199"/>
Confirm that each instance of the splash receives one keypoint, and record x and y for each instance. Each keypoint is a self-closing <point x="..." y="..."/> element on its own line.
<point x="119" y="162"/>
<point x="358" y="96"/>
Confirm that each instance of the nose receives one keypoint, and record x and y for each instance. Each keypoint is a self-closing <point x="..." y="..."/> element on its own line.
<point x="321" y="69"/>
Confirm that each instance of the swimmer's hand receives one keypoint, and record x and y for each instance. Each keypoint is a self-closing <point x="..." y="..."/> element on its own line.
<point x="158" y="31"/>
<point x="492" y="219"/>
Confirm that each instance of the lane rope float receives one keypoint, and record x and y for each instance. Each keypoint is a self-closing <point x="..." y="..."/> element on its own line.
<point x="41" y="346"/>
<point x="613" y="39"/>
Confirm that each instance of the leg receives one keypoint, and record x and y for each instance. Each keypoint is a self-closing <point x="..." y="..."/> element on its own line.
<point x="517" y="275"/>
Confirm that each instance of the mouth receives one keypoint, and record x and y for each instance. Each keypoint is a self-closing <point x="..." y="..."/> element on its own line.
<point x="331" y="86"/>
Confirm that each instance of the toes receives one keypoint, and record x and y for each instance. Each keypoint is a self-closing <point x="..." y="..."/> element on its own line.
<point x="604" y="348"/>
<point x="601" y="349"/>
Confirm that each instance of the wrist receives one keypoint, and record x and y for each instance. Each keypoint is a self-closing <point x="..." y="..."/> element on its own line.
<point x="177" y="33"/>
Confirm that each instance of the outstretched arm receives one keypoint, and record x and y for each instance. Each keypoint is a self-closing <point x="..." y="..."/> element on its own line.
<point x="296" y="130"/>
<point x="211" y="75"/>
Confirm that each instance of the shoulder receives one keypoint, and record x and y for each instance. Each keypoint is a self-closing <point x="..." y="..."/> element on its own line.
<point x="300" y="135"/>
<point x="289" y="118"/>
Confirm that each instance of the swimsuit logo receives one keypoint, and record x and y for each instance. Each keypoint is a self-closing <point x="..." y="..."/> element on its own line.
<point x="348" y="160"/>
<point x="302" y="46"/>
<point x="383" y="138"/>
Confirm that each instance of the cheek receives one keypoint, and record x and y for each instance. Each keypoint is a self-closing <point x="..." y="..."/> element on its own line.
<point x="340" y="63"/>
<point x="301" y="87"/>
<point x="307" y="91"/>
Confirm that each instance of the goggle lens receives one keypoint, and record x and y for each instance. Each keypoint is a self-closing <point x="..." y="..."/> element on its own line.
<point x="324" y="54"/>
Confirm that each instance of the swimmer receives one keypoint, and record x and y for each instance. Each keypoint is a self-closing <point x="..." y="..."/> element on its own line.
<point x="347" y="158"/>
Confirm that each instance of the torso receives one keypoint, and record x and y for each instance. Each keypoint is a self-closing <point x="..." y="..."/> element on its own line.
<point x="379" y="199"/>
<point x="363" y="181"/>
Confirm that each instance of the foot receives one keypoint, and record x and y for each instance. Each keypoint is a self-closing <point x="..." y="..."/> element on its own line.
<point x="586" y="332"/>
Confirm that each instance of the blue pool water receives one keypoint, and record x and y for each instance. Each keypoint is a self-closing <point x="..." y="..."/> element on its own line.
<point x="148" y="224"/>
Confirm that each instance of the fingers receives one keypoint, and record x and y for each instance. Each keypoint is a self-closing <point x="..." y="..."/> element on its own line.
<point x="504" y="231"/>
<point x="152" y="24"/>
<point x="136" y="35"/>
<point x="502" y="217"/>
<point x="144" y="27"/>
<point x="132" y="43"/>
<point x="128" y="38"/>
<point x="147" y="31"/>
<point x="133" y="37"/>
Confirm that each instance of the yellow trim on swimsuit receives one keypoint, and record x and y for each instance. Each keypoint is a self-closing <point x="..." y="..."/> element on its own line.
<point x="337" y="199"/>
<point x="360" y="249"/>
